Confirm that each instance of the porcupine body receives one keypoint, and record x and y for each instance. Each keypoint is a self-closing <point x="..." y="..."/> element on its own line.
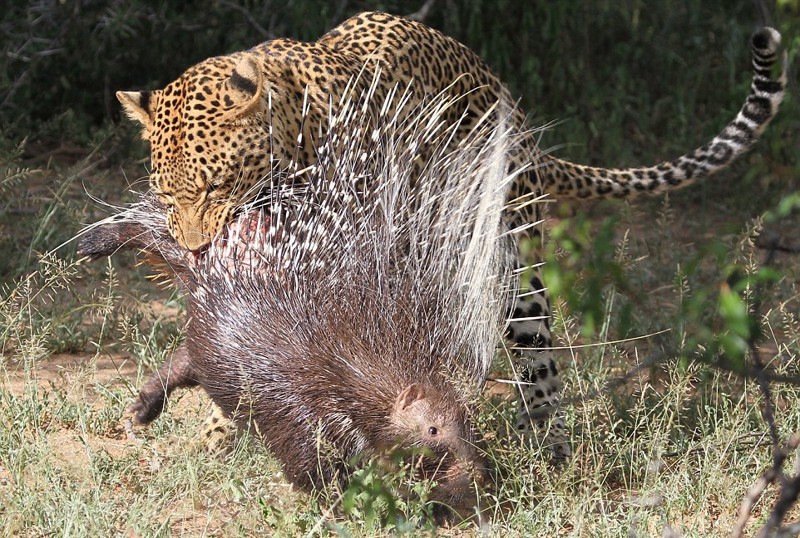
<point x="357" y="307"/>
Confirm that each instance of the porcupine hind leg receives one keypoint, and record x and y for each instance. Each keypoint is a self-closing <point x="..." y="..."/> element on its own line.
<point x="539" y="383"/>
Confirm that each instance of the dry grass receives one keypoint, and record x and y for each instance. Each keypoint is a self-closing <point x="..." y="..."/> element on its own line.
<point x="676" y="446"/>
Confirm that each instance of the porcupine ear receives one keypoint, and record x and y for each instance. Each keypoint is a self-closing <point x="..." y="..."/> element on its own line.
<point x="408" y="396"/>
<point x="140" y="106"/>
<point x="241" y="93"/>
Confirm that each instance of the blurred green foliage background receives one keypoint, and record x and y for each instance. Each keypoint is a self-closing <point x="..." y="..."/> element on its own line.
<point x="631" y="80"/>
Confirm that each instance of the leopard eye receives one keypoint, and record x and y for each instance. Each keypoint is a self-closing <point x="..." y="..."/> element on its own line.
<point x="167" y="199"/>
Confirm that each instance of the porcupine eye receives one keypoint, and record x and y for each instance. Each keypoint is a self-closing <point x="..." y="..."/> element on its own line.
<point x="433" y="431"/>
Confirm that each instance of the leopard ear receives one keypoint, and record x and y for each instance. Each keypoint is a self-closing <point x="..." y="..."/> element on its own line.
<point x="241" y="92"/>
<point x="139" y="106"/>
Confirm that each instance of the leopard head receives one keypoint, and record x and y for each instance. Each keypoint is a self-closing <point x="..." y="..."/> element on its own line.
<point x="208" y="141"/>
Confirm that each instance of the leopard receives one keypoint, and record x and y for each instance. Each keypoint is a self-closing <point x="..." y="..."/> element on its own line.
<point x="219" y="129"/>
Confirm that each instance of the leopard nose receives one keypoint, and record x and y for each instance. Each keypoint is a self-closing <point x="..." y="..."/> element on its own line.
<point x="194" y="240"/>
<point x="189" y="228"/>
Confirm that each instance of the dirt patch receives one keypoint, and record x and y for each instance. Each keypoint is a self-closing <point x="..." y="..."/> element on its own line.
<point x="71" y="372"/>
<point x="89" y="378"/>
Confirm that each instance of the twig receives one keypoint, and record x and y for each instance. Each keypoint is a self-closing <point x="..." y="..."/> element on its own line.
<point x="739" y="444"/>
<point x="772" y="241"/>
<point x="265" y="34"/>
<point x="422" y="12"/>
<point x="790" y="488"/>
<point x="750" y="500"/>
<point x="749" y="372"/>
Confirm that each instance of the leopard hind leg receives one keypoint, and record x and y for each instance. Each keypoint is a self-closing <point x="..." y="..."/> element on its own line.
<point x="537" y="377"/>
<point x="219" y="432"/>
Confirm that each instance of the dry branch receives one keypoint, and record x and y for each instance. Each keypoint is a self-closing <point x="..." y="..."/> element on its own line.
<point x="789" y="487"/>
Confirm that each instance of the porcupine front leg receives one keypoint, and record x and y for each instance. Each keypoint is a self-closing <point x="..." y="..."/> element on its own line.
<point x="539" y="383"/>
<point x="218" y="432"/>
<point x="136" y="229"/>
<point x="176" y="372"/>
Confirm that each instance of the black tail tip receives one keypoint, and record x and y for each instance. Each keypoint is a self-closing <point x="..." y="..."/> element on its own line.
<point x="766" y="40"/>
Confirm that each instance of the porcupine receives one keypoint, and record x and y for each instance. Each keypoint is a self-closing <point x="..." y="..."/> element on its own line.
<point x="360" y="307"/>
